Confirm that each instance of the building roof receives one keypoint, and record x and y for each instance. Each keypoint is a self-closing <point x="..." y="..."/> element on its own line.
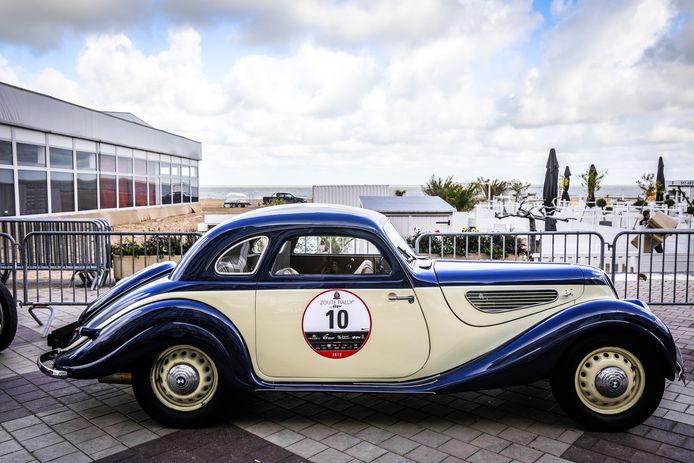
<point x="406" y="204"/>
<point x="31" y="110"/>
<point x="127" y="117"/>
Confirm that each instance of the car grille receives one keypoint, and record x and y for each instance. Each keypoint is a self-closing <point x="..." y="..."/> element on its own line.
<point x="495" y="301"/>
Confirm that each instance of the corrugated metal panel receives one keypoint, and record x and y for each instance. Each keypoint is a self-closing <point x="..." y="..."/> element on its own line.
<point x="408" y="225"/>
<point x="347" y="195"/>
<point x="24" y="108"/>
<point x="406" y="204"/>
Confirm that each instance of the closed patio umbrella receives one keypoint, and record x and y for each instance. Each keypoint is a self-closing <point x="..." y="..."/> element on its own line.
<point x="660" y="181"/>
<point x="565" y="187"/>
<point x="549" y="190"/>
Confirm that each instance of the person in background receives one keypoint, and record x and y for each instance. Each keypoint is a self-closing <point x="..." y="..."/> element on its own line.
<point x="644" y="223"/>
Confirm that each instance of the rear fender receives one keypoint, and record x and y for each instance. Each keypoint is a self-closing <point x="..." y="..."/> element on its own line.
<point x="146" y="330"/>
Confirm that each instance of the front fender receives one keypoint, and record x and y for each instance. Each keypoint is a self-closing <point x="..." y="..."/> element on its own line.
<point x="532" y="355"/>
<point x="141" y="332"/>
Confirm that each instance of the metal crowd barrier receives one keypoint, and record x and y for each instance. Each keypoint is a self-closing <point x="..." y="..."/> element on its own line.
<point x="656" y="266"/>
<point x="68" y="249"/>
<point x="46" y="286"/>
<point x="8" y="262"/>
<point x="584" y="247"/>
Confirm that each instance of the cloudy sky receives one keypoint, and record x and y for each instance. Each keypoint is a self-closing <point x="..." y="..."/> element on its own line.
<point x="377" y="91"/>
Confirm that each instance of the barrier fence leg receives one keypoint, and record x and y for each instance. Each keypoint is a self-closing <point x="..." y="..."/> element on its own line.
<point x="49" y="322"/>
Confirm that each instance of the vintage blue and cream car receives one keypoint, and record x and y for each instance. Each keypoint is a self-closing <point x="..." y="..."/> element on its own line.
<point x="331" y="298"/>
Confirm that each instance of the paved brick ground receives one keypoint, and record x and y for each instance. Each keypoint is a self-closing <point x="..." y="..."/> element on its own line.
<point x="42" y="419"/>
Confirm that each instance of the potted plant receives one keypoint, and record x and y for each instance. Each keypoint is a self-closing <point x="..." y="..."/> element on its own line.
<point x="129" y="256"/>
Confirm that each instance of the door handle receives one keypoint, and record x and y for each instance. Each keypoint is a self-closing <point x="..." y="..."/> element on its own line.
<point x="395" y="297"/>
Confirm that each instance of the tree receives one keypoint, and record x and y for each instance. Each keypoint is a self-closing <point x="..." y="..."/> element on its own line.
<point x="647" y="184"/>
<point x="592" y="180"/>
<point x="496" y="187"/>
<point x="400" y="192"/>
<point x="519" y="188"/>
<point x="463" y="198"/>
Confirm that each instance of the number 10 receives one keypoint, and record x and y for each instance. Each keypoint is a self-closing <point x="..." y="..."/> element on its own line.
<point x="342" y="319"/>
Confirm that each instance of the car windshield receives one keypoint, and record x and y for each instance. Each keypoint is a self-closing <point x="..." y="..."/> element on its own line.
<point x="400" y="243"/>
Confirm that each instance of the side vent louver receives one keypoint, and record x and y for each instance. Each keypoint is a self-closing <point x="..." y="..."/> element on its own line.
<point x="495" y="301"/>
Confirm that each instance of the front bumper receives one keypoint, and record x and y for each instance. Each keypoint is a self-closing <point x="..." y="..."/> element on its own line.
<point x="50" y="371"/>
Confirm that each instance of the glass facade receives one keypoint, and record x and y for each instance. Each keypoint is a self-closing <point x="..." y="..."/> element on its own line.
<point x="107" y="187"/>
<point x="31" y="155"/>
<point x="6" y="152"/>
<point x="33" y="192"/>
<point x="86" y="160"/>
<point x="63" y="191"/>
<point x="39" y="178"/>
<point x="61" y="158"/>
<point x="125" y="192"/>
<point x="6" y="192"/>
<point x="86" y="192"/>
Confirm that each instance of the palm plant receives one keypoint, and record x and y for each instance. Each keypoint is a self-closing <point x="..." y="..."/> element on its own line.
<point x="519" y="188"/>
<point x="493" y="187"/>
<point x="592" y="180"/>
<point x="463" y="198"/>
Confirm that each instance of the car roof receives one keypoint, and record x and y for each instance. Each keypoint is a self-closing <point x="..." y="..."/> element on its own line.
<point x="307" y="213"/>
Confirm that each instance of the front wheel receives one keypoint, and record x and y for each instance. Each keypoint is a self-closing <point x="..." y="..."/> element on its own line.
<point x="180" y="387"/>
<point x="8" y="318"/>
<point x="608" y="383"/>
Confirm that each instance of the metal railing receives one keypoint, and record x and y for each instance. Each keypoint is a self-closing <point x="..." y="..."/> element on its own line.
<point x="8" y="262"/>
<point x="657" y="266"/>
<point x="124" y="253"/>
<point x="69" y="249"/>
<point x="585" y="247"/>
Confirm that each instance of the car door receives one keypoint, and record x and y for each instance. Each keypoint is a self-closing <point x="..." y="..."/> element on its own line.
<point x="337" y="305"/>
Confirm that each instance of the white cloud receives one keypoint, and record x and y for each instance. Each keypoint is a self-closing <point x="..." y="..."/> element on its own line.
<point x="388" y="91"/>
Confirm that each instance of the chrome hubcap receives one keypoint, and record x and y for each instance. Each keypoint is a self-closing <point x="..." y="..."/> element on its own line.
<point x="611" y="382"/>
<point x="183" y="379"/>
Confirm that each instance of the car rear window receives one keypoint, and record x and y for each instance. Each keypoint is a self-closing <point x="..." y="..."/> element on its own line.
<point x="242" y="258"/>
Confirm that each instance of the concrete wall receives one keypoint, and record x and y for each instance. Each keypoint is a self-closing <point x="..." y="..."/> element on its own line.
<point x="120" y="217"/>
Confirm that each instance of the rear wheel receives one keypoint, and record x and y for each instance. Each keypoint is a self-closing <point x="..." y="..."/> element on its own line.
<point x="609" y="383"/>
<point x="8" y="318"/>
<point x="180" y="387"/>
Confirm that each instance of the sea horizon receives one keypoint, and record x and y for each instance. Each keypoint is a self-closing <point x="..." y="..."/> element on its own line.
<point x="306" y="191"/>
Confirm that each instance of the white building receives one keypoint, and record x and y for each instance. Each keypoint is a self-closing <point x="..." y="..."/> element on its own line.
<point x="58" y="157"/>
<point x="410" y="214"/>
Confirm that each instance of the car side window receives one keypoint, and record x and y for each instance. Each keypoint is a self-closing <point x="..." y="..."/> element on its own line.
<point x="329" y="255"/>
<point x="242" y="258"/>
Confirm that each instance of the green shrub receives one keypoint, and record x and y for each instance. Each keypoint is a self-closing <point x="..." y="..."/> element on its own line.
<point x="690" y="209"/>
<point x="159" y="246"/>
<point x="669" y="202"/>
<point x="275" y="202"/>
<point x="601" y="202"/>
<point x="640" y="202"/>
<point x="472" y="246"/>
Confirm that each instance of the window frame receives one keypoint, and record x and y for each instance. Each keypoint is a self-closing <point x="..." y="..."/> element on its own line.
<point x="237" y="243"/>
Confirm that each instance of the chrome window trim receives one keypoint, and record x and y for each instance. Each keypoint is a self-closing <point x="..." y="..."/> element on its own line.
<point x="257" y="265"/>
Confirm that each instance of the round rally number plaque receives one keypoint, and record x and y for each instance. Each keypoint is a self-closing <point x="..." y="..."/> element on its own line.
<point x="336" y="323"/>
